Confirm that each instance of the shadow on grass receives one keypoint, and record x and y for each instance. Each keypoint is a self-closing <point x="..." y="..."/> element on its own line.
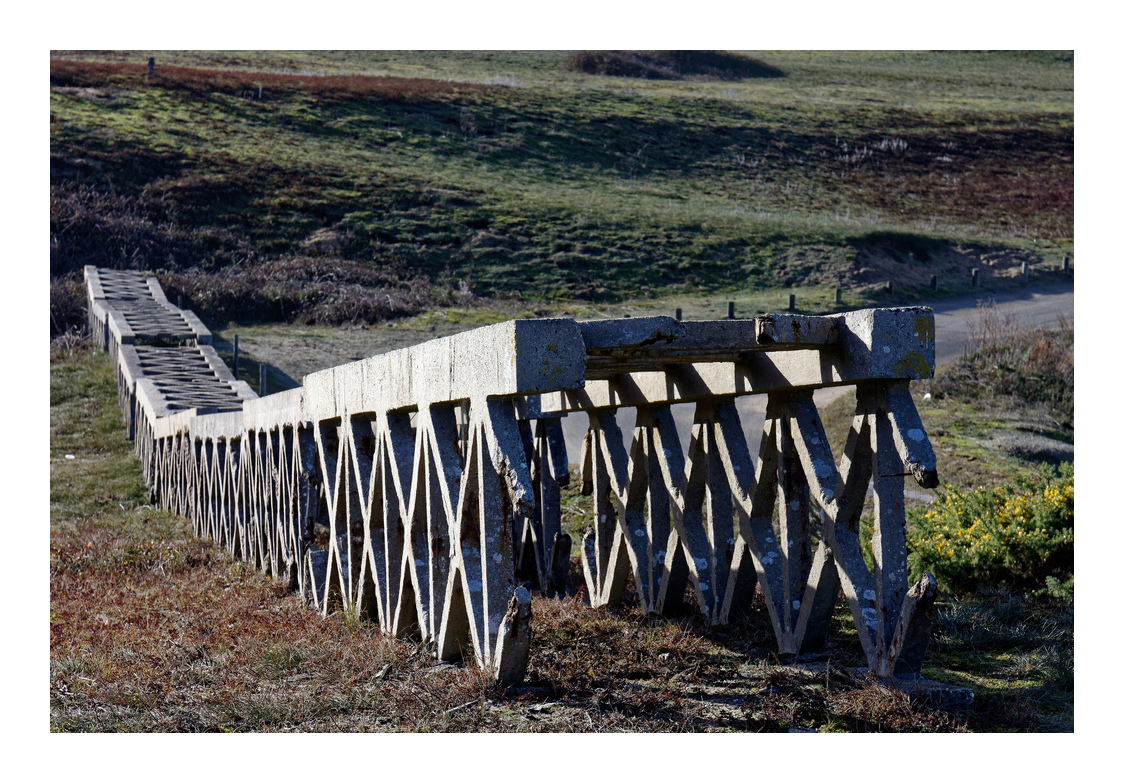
<point x="249" y="369"/>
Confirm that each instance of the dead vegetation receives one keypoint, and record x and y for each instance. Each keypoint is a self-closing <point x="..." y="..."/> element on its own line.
<point x="90" y="78"/>
<point x="675" y="64"/>
<point x="1030" y="370"/>
<point x="308" y="290"/>
<point x="174" y="637"/>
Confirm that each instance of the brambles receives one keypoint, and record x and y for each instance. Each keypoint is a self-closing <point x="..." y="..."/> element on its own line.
<point x="68" y="306"/>
<point x="677" y="64"/>
<point x="307" y="290"/>
<point x="1013" y="535"/>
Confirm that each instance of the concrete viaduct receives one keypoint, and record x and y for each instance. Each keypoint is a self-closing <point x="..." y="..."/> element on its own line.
<point x="421" y="488"/>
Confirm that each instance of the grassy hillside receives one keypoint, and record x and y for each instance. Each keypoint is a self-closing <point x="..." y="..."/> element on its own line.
<point x="359" y="186"/>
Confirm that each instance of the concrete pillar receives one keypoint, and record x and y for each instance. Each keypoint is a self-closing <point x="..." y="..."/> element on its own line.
<point x="678" y="313"/>
<point x="729" y="309"/>
<point x="1065" y="264"/>
<point x="889" y="286"/>
<point x="838" y="296"/>
<point x="513" y="642"/>
<point x="975" y="277"/>
<point x="792" y="301"/>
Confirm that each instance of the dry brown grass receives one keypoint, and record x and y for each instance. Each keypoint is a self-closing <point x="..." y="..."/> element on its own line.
<point x="307" y="289"/>
<point x="1015" y="367"/>
<point x="172" y="636"/>
<point x="77" y="74"/>
<point x="969" y="174"/>
<point x="177" y="638"/>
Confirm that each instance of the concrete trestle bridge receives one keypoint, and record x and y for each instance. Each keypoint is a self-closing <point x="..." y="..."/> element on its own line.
<point x="437" y="469"/>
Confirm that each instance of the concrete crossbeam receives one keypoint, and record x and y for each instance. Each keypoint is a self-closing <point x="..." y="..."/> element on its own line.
<point x="865" y="345"/>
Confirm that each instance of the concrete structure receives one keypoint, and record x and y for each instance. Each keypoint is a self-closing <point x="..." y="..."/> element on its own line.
<point x="420" y="487"/>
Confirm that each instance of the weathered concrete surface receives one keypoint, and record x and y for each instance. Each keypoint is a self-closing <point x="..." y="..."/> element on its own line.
<point x="512" y="358"/>
<point x="514" y="642"/>
<point x="860" y="346"/>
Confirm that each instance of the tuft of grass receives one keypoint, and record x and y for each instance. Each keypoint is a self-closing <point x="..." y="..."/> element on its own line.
<point x="1015" y="653"/>
<point x="1015" y="367"/>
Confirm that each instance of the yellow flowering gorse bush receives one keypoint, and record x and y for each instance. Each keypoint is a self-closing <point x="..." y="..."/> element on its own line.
<point x="1016" y="535"/>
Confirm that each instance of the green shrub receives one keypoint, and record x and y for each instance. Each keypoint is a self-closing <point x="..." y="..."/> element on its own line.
<point x="1018" y="535"/>
<point x="1058" y="589"/>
